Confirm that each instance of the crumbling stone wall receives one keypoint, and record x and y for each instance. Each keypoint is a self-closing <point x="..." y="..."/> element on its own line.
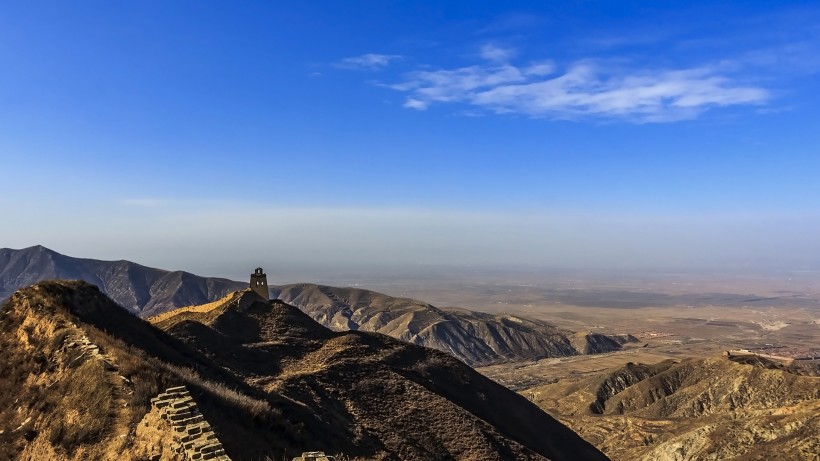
<point x="314" y="456"/>
<point x="195" y="436"/>
<point x="79" y="341"/>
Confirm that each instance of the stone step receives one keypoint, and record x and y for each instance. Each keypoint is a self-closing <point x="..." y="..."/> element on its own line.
<point x="183" y="402"/>
<point x="210" y="448"/>
<point x="185" y="409"/>
<point x="193" y="419"/>
<point x="201" y="437"/>
<point x="178" y="417"/>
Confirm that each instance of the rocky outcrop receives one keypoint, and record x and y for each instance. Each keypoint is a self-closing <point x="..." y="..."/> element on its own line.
<point x="620" y="380"/>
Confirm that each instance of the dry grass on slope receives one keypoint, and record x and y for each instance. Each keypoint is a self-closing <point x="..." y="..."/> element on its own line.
<point x="67" y="405"/>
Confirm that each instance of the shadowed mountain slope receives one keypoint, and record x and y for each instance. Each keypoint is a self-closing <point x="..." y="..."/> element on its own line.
<point x="142" y="290"/>
<point x="268" y="379"/>
<point x="718" y="408"/>
<point x="474" y="337"/>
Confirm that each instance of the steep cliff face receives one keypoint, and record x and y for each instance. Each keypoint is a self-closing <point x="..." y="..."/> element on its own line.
<point x="475" y="338"/>
<point x="716" y="408"/>
<point x="622" y="379"/>
<point x="79" y="373"/>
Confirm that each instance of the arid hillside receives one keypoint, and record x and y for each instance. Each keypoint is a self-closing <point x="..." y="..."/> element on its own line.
<point x="474" y="337"/>
<point x="726" y="408"/>
<point x="269" y="380"/>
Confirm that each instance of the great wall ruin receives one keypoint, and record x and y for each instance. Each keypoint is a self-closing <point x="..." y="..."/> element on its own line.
<point x="196" y="439"/>
<point x="78" y="340"/>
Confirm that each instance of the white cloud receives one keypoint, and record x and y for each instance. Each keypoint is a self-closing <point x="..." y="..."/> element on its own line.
<point x="453" y="85"/>
<point x="540" y="68"/>
<point x="415" y="104"/>
<point x="584" y="89"/>
<point x="496" y="53"/>
<point x="369" y="61"/>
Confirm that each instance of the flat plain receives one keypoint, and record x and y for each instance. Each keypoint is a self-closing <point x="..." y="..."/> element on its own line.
<point x="672" y="315"/>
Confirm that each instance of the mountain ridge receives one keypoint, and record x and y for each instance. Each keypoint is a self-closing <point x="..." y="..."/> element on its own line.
<point x="475" y="338"/>
<point x="142" y="290"/>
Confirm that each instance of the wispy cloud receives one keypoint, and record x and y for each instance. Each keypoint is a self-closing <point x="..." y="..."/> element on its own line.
<point x="369" y="61"/>
<point x="497" y="53"/>
<point x="415" y="104"/>
<point x="584" y="89"/>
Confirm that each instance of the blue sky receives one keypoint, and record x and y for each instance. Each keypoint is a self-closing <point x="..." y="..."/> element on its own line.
<point x="606" y="134"/>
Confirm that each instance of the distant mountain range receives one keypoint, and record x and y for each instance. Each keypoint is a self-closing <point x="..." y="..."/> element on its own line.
<point x="141" y="290"/>
<point x="80" y="372"/>
<point x="474" y="337"/>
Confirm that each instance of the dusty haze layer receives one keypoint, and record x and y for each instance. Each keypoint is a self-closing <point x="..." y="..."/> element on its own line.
<point x="300" y="244"/>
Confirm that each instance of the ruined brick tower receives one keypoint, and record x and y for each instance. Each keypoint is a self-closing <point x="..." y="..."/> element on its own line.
<point x="259" y="282"/>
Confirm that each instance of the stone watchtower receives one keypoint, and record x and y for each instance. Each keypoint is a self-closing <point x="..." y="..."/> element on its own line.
<point x="259" y="283"/>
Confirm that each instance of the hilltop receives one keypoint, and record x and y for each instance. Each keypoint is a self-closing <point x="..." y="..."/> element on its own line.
<point x="267" y="378"/>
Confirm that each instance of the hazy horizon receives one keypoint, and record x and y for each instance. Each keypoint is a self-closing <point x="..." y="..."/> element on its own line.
<point x="379" y="275"/>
